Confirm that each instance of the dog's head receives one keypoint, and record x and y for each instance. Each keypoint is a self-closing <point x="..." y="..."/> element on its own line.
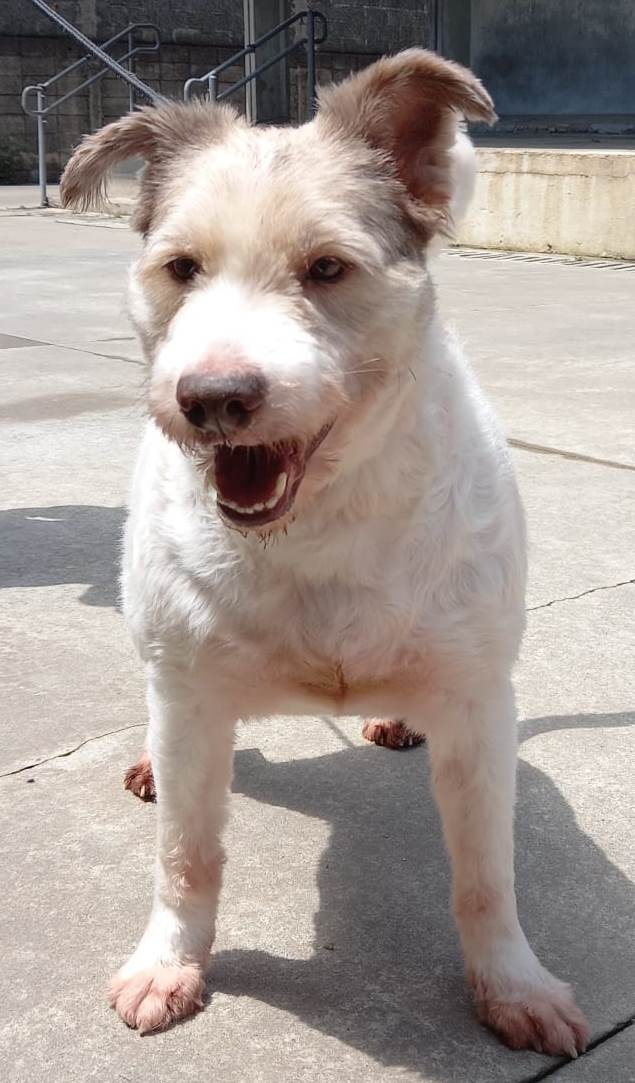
<point x="281" y="290"/>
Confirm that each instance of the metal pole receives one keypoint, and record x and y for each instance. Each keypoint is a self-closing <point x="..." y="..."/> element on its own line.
<point x="130" y="69"/>
<point x="41" y="147"/>
<point x="249" y="36"/>
<point x="310" y="65"/>
<point x="213" y="86"/>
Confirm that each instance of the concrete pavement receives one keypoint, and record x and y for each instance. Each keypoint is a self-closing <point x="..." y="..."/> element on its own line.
<point x="336" y="957"/>
<point x="25" y="198"/>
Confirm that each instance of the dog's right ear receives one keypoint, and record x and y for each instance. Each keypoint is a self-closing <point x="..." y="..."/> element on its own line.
<point x="158" y="134"/>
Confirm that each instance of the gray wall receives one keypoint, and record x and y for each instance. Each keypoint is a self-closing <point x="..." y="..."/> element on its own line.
<point x="377" y="26"/>
<point x="562" y="58"/>
<point x="196" y="35"/>
<point x="216" y="21"/>
<point x="549" y="57"/>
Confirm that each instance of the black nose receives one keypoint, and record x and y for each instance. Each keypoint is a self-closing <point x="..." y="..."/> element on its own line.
<point x="223" y="403"/>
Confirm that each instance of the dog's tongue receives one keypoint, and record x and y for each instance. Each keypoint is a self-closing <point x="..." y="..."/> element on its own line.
<point x="248" y="476"/>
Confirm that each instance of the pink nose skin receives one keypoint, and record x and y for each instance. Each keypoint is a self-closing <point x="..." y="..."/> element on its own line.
<point x="221" y="404"/>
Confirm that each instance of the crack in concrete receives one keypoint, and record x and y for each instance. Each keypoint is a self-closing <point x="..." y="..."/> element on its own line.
<point x="575" y="456"/>
<point x="86" y="349"/>
<point x="574" y="597"/>
<point x="95" y="353"/>
<point x="26" y="342"/>
<point x="115" y="357"/>
<point x="139" y="725"/>
<point x="553" y="1069"/>
<point x="70" y="751"/>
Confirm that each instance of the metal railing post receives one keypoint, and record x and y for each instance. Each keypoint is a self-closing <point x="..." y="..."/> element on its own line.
<point x="252" y="70"/>
<point x="130" y="69"/>
<point x="40" y="91"/>
<point x="41" y="146"/>
<point x="310" y="65"/>
<point x="249" y="8"/>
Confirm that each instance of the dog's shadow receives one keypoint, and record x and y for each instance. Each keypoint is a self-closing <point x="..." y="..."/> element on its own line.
<point x="70" y="543"/>
<point x="386" y="973"/>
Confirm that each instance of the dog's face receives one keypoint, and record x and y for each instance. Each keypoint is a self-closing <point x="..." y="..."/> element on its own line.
<point x="282" y="289"/>
<point x="264" y="294"/>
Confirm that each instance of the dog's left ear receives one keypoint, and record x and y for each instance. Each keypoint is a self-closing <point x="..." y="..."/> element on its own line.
<point x="409" y="107"/>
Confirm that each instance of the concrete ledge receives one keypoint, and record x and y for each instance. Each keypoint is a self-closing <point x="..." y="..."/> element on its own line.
<point x="527" y="199"/>
<point x="580" y="202"/>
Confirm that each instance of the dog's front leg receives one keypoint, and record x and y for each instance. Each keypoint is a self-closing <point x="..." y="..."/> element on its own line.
<point x="473" y="754"/>
<point x="191" y="739"/>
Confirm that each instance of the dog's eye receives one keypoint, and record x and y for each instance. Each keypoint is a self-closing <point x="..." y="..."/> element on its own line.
<point x="183" y="268"/>
<point x="326" y="269"/>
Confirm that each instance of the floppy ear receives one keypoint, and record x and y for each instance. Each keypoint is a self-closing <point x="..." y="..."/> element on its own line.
<point x="159" y="134"/>
<point x="408" y="106"/>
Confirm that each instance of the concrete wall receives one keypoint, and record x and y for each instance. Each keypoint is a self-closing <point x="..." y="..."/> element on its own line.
<point x="196" y="35"/>
<point x="369" y="26"/>
<point x="376" y="26"/>
<point x="218" y="22"/>
<point x="567" y="59"/>
<point x="30" y="60"/>
<point x="556" y="56"/>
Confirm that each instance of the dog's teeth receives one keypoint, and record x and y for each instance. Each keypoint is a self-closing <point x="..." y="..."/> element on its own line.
<point x="281" y="485"/>
<point x="246" y="509"/>
<point x="251" y="509"/>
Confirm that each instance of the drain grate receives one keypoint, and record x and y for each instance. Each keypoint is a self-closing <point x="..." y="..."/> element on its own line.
<point x="542" y="257"/>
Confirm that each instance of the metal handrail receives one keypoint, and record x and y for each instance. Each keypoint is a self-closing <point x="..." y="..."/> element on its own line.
<point x="41" y="108"/>
<point x="96" y="50"/>
<point x="311" y="39"/>
<point x="142" y="47"/>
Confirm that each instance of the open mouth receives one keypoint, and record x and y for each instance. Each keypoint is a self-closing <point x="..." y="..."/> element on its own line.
<point x="257" y="485"/>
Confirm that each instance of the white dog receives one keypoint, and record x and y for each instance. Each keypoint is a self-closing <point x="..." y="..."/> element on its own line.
<point x="324" y="517"/>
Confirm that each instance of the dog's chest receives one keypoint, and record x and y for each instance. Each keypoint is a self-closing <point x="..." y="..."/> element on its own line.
<point x="338" y="648"/>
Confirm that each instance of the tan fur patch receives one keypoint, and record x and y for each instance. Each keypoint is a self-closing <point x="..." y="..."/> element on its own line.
<point x="406" y="106"/>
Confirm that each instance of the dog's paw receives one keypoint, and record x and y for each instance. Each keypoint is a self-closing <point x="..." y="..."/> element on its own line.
<point x="155" y="998"/>
<point x="546" y="1019"/>
<point x="394" y="734"/>
<point x="139" y="779"/>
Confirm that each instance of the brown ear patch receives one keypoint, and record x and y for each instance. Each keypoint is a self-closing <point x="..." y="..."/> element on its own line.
<point x="158" y="134"/>
<point x="408" y="106"/>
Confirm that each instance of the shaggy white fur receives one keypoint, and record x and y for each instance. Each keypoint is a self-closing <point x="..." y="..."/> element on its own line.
<point x="285" y="303"/>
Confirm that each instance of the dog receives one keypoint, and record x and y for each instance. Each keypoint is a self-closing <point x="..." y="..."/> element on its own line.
<point x="324" y="517"/>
